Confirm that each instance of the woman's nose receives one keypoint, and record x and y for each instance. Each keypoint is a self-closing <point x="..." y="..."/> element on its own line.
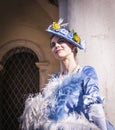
<point x="54" y="44"/>
<point x="57" y="46"/>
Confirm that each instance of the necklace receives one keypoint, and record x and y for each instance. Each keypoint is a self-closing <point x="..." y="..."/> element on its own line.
<point x="75" y="69"/>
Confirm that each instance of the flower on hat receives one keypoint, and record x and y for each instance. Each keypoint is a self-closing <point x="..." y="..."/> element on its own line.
<point x="58" y="25"/>
<point x="55" y="26"/>
<point x="76" y="38"/>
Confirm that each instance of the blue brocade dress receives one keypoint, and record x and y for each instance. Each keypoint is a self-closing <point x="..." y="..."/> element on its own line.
<point x="69" y="102"/>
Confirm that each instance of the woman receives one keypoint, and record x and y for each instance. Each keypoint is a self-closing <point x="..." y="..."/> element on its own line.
<point x="70" y="101"/>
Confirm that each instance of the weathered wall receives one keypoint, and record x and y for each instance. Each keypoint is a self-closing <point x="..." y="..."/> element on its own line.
<point x="26" y="20"/>
<point x="94" y="21"/>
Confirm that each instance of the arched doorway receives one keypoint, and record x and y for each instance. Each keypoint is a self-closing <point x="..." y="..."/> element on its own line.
<point x="20" y="76"/>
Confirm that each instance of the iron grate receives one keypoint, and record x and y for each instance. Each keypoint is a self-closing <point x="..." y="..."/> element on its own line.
<point x="20" y="77"/>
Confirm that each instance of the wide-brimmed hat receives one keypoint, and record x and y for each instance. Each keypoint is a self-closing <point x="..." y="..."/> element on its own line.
<point x="60" y="29"/>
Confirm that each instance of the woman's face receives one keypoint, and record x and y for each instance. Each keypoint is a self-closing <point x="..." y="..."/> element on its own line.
<point x="61" y="48"/>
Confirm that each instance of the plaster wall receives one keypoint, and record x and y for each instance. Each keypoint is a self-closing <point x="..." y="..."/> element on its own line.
<point x="94" y="21"/>
<point x="26" y="21"/>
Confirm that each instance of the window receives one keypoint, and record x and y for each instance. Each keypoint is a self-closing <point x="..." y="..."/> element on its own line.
<point x="20" y="76"/>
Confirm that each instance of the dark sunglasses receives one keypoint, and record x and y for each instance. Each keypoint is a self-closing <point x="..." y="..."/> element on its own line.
<point x="60" y="41"/>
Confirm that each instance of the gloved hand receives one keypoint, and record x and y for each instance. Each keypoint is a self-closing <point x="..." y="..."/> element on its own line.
<point x="97" y="115"/>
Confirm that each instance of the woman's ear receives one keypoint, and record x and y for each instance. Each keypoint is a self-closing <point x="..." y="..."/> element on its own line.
<point x="74" y="49"/>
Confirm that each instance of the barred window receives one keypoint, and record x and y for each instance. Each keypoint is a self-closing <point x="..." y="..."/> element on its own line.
<point x="20" y="76"/>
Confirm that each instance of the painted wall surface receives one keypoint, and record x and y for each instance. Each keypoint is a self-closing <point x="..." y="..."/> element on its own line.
<point x="94" y="21"/>
<point x="27" y="20"/>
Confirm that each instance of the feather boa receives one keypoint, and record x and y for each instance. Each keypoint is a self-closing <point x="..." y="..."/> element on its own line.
<point x="39" y="108"/>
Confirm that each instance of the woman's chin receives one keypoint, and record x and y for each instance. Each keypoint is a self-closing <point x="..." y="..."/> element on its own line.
<point x="59" y="57"/>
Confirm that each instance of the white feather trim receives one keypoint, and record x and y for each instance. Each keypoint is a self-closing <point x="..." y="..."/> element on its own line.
<point x="35" y="115"/>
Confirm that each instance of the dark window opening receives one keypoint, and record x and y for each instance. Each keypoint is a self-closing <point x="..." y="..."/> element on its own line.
<point x="20" y="76"/>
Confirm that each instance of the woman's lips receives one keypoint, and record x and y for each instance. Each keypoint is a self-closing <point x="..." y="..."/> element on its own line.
<point x="59" y="50"/>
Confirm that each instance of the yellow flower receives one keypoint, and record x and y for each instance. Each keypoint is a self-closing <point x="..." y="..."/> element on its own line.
<point x="56" y="26"/>
<point x="76" y="38"/>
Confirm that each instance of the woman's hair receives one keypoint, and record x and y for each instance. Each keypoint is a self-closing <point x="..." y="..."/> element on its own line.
<point x="52" y="36"/>
<point x="76" y="50"/>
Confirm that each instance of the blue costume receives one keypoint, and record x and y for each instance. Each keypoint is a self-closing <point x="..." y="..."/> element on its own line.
<point x="68" y="102"/>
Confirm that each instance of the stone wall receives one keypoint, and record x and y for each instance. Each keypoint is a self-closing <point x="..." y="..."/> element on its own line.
<point x="94" y="21"/>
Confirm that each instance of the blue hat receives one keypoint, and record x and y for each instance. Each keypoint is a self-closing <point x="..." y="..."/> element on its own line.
<point x="59" y="29"/>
